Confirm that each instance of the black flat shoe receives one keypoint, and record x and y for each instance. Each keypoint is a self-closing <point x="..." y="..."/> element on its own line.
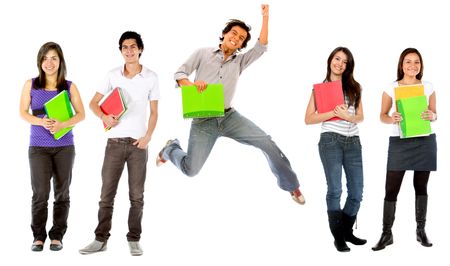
<point x="37" y="247"/>
<point x="56" y="247"/>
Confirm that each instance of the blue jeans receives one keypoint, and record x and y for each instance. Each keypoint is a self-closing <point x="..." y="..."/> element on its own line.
<point x="337" y="152"/>
<point x="205" y="132"/>
<point x="118" y="152"/>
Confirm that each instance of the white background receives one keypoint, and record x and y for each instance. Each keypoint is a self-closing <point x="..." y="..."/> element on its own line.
<point x="232" y="213"/>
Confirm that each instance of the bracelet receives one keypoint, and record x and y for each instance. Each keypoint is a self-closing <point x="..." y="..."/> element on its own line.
<point x="434" y="117"/>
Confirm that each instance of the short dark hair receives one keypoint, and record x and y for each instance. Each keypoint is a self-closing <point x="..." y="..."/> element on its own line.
<point x="131" y="35"/>
<point x="241" y="24"/>
<point x="407" y="51"/>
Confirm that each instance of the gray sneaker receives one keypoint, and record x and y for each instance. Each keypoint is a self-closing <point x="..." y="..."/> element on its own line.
<point x="95" y="246"/>
<point x="135" y="248"/>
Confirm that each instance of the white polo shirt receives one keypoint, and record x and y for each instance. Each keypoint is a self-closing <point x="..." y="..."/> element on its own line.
<point x="138" y="91"/>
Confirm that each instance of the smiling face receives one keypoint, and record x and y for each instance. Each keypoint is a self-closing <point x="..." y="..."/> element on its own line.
<point x="234" y="39"/>
<point x="130" y="51"/>
<point x="50" y="63"/>
<point x="411" y="65"/>
<point x="338" y="64"/>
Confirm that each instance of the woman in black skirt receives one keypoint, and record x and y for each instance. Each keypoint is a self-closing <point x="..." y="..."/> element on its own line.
<point x="416" y="153"/>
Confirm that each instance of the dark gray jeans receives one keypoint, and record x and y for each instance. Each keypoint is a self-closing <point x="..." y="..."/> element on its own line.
<point x="45" y="163"/>
<point x="118" y="152"/>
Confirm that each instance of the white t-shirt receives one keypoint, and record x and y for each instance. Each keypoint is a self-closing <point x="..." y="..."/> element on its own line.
<point x="428" y="90"/>
<point x="138" y="91"/>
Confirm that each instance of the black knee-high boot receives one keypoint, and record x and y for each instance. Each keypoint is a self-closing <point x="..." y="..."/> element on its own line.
<point x="337" y="229"/>
<point x="388" y="220"/>
<point x="421" y="214"/>
<point x="348" y="222"/>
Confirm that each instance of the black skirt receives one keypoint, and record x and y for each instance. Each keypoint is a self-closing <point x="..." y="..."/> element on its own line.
<point x="418" y="154"/>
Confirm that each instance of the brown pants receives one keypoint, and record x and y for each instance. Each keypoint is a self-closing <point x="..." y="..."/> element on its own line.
<point x="118" y="152"/>
<point x="47" y="163"/>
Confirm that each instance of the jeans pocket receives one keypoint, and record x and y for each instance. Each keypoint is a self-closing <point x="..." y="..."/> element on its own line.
<point x="357" y="142"/>
<point x="111" y="145"/>
<point x="326" y="138"/>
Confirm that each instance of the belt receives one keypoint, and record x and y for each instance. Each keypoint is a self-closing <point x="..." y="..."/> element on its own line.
<point x="37" y="112"/>
<point x="122" y="140"/>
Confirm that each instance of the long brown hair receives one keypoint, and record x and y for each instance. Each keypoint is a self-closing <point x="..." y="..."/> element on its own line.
<point x="407" y="51"/>
<point x="351" y="88"/>
<point x="39" y="82"/>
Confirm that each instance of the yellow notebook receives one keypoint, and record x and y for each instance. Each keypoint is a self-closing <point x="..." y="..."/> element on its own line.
<point x="408" y="91"/>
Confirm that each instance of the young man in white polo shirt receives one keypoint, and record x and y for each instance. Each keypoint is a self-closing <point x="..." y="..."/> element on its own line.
<point x="127" y="142"/>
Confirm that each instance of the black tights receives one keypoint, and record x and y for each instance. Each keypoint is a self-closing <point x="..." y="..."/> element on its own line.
<point x="394" y="181"/>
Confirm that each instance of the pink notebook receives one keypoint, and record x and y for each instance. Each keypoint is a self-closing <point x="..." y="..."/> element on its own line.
<point x="113" y="104"/>
<point x="327" y="96"/>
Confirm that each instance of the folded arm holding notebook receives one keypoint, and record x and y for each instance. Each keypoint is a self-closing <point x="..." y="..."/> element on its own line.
<point x="51" y="125"/>
<point x="396" y="117"/>
<point x="341" y="111"/>
<point x="79" y="115"/>
<point x="110" y="120"/>
<point x="200" y="84"/>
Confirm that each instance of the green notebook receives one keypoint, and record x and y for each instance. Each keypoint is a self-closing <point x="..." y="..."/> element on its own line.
<point x="412" y="124"/>
<point x="209" y="103"/>
<point x="59" y="108"/>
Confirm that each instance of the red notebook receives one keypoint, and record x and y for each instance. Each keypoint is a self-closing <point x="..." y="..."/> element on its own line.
<point x="327" y="96"/>
<point x="113" y="104"/>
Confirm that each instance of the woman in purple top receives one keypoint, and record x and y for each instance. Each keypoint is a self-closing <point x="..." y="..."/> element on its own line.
<point x="49" y="158"/>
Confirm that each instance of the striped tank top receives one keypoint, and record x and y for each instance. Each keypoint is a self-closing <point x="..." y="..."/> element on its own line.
<point x="342" y="127"/>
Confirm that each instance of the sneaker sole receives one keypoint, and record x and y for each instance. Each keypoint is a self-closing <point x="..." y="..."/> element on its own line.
<point x="92" y="252"/>
<point x="300" y="200"/>
<point x="159" y="161"/>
